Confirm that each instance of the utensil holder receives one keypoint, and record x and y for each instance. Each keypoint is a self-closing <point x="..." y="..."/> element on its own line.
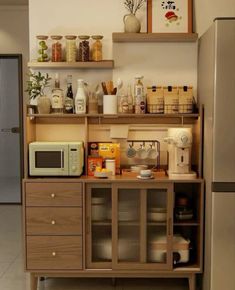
<point x="110" y="104"/>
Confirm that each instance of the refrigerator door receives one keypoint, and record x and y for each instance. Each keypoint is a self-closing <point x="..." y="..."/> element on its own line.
<point x="223" y="241"/>
<point x="224" y="105"/>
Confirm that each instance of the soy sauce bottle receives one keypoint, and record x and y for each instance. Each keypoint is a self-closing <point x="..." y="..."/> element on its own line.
<point x="69" y="102"/>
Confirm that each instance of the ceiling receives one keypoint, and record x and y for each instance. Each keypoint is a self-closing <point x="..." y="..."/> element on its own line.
<point x="13" y="2"/>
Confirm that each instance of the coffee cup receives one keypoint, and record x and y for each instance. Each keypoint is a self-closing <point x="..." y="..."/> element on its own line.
<point x="142" y="153"/>
<point x="146" y="173"/>
<point x="152" y="152"/>
<point x="131" y="152"/>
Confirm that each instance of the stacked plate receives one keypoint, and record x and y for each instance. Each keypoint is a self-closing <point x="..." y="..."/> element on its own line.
<point x="128" y="210"/>
<point x="157" y="214"/>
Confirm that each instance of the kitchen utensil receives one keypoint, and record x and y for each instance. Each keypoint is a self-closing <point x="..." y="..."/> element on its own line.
<point x="131" y="152"/>
<point x="145" y="173"/>
<point x="109" y="86"/>
<point x="104" y="88"/>
<point x="119" y="84"/>
<point x="114" y="91"/>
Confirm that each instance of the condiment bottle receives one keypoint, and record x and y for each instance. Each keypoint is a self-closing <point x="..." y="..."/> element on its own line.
<point x="97" y="48"/>
<point x="57" y="99"/>
<point x="56" y="48"/>
<point x="84" y="48"/>
<point x="80" y="99"/>
<point x="71" y="48"/>
<point x="42" y="48"/>
<point x="139" y="95"/>
<point x="68" y="102"/>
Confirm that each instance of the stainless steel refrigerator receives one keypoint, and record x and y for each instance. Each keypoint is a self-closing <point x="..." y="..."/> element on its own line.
<point x="216" y="90"/>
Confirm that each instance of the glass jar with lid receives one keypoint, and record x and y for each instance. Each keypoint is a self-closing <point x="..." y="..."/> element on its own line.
<point x="56" y="48"/>
<point x="71" y="48"/>
<point x="84" y="48"/>
<point x="42" y="47"/>
<point x="97" y="48"/>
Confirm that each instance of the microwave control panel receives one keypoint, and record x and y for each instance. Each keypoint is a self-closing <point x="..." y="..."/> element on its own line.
<point x="76" y="158"/>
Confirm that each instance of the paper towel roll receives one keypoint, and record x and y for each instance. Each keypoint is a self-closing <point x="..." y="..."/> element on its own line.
<point x="110" y="104"/>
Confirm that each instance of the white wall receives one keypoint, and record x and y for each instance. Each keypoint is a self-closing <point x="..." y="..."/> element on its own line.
<point x="14" y="32"/>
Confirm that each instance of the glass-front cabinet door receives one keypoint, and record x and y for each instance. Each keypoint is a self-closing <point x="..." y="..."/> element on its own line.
<point x="98" y="226"/>
<point x="142" y="226"/>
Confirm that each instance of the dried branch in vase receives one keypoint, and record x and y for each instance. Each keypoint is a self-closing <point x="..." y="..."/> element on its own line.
<point x="134" y="5"/>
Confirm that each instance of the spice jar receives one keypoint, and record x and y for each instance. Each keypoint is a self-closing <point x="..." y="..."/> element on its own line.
<point x="71" y="48"/>
<point x="56" y="48"/>
<point x="84" y="48"/>
<point x="97" y="47"/>
<point x="123" y="106"/>
<point x="42" y="48"/>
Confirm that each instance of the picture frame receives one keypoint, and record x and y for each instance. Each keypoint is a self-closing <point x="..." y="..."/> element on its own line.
<point x="169" y="16"/>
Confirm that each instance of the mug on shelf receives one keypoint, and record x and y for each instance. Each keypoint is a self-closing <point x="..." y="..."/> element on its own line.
<point x="142" y="152"/>
<point x="152" y="152"/>
<point x="131" y="152"/>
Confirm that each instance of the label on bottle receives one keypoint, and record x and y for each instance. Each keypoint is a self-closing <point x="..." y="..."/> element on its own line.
<point x="68" y="105"/>
<point x="80" y="106"/>
<point x="57" y="102"/>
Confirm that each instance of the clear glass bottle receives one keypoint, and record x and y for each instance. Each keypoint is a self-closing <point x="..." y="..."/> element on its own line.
<point x="93" y="104"/>
<point x="42" y="48"/>
<point x="69" y="102"/>
<point x="130" y="99"/>
<point x="71" y="48"/>
<point x="56" y="48"/>
<point x="84" y="48"/>
<point x="57" y="98"/>
<point x="80" y="99"/>
<point x="140" y="102"/>
<point x="97" y="48"/>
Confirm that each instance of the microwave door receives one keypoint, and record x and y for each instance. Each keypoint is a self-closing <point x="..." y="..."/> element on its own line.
<point x="51" y="162"/>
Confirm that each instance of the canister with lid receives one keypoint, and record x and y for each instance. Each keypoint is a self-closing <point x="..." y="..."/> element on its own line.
<point x="42" y="48"/>
<point x="71" y="48"/>
<point x="56" y="48"/>
<point x="97" y="48"/>
<point x="84" y="48"/>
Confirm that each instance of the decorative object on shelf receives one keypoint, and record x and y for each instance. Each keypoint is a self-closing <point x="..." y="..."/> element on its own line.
<point x="186" y="100"/>
<point x="169" y="16"/>
<point x="97" y="48"/>
<point x="71" y="48"/>
<point x="56" y="48"/>
<point x="57" y="98"/>
<point x="131" y="22"/>
<point x="35" y="87"/>
<point x="155" y="100"/>
<point x="84" y="48"/>
<point x="42" y="48"/>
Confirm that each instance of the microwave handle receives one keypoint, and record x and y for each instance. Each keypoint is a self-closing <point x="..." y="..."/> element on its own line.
<point x="62" y="159"/>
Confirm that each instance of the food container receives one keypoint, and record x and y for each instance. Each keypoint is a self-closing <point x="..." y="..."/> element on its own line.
<point x="42" y="48"/>
<point x="92" y="163"/>
<point x="186" y="100"/>
<point x="110" y="164"/>
<point x="71" y="48"/>
<point x="97" y="48"/>
<point x="156" y="214"/>
<point x="123" y="105"/>
<point x="155" y="100"/>
<point x="157" y="249"/>
<point x="56" y="48"/>
<point x="171" y="100"/>
<point x="110" y="151"/>
<point x="93" y="149"/>
<point x="84" y="48"/>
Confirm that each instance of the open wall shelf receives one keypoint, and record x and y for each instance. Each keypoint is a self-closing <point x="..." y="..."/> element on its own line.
<point x="105" y="64"/>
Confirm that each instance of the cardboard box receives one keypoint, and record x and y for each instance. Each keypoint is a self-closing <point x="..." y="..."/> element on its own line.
<point x="92" y="163"/>
<point x="110" y="151"/>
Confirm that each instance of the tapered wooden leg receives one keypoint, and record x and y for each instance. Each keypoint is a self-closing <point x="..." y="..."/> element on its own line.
<point x="192" y="282"/>
<point x="33" y="282"/>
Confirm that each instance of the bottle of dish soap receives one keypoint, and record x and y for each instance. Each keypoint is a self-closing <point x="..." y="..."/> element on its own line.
<point x="80" y="99"/>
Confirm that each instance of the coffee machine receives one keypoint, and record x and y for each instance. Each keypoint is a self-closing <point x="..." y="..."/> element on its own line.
<point x="179" y="142"/>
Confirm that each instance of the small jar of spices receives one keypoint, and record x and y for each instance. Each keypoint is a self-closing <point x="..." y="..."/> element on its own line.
<point x="97" y="48"/>
<point x="71" y="48"/>
<point x="84" y="48"/>
<point x="42" y="48"/>
<point x="56" y="48"/>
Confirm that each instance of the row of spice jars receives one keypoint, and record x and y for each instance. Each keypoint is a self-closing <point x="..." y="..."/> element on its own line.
<point x="85" y="52"/>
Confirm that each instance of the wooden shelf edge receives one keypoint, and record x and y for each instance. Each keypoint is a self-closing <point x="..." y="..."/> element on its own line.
<point x="105" y="64"/>
<point x="154" y="37"/>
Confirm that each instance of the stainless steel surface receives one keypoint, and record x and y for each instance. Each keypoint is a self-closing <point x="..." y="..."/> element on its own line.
<point x="223" y="241"/>
<point x="224" y="105"/>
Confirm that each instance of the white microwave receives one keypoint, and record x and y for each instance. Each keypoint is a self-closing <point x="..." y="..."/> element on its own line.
<point x="56" y="158"/>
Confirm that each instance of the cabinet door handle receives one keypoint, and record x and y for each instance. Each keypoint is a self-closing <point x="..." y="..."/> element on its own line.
<point x="53" y="254"/>
<point x="53" y="222"/>
<point x="53" y="195"/>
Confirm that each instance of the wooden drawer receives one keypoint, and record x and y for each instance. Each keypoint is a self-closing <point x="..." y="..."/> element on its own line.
<point x="53" y="220"/>
<point x="54" y="253"/>
<point x="53" y="194"/>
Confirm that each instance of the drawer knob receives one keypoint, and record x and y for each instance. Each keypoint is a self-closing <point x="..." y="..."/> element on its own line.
<point x="53" y="222"/>
<point x="52" y="195"/>
<point x="53" y="254"/>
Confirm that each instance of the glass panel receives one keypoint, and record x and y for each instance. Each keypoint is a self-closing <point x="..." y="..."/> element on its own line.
<point x="128" y="225"/>
<point x="10" y="191"/>
<point x="157" y="225"/>
<point x="101" y="216"/>
<point x="49" y="159"/>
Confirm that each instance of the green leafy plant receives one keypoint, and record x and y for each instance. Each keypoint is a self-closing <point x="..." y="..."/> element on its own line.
<point x="134" y="5"/>
<point x="36" y="84"/>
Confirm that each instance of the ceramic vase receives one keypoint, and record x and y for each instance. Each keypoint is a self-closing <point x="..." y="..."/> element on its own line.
<point x="131" y="23"/>
<point x="44" y="105"/>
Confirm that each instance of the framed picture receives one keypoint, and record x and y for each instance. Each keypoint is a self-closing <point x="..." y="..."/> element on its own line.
<point x="169" y="16"/>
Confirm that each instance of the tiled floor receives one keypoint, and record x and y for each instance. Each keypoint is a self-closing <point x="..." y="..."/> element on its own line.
<point x="12" y="276"/>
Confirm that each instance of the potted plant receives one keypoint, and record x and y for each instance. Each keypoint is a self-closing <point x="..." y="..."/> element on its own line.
<point x="35" y="87"/>
<point x="131" y="22"/>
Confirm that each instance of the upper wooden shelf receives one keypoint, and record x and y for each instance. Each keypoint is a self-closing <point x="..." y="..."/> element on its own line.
<point x="154" y="37"/>
<point x="104" y="64"/>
